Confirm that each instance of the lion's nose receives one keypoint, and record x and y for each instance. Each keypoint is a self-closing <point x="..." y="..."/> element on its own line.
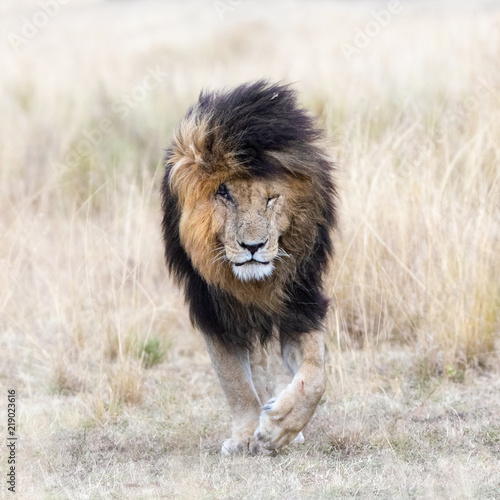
<point x="253" y="247"/>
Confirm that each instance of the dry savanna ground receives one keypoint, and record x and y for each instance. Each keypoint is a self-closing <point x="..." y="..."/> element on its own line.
<point x="116" y="397"/>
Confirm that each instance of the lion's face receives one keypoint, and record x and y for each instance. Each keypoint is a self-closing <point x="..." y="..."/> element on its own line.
<point x="245" y="234"/>
<point x="250" y="216"/>
<point x="252" y="187"/>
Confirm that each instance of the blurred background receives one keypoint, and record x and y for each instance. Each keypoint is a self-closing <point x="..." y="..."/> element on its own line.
<point x="115" y="384"/>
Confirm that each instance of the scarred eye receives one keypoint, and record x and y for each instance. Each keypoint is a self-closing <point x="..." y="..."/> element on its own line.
<point x="223" y="191"/>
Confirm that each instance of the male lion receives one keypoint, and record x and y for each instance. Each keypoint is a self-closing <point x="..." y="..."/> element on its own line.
<point x="248" y="209"/>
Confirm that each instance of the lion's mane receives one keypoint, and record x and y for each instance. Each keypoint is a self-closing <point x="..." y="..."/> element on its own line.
<point x="256" y="130"/>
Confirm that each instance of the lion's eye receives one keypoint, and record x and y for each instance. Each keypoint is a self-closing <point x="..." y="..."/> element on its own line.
<point x="223" y="191"/>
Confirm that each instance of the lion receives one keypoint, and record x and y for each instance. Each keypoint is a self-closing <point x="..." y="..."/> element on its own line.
<point x="249" y="210"/>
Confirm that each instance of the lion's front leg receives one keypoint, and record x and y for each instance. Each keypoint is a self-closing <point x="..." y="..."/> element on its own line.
<point x="284" y="417"/>
<point x="233" y="371"/>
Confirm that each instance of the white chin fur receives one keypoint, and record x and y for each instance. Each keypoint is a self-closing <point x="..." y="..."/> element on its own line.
<point x="250" y="271"/>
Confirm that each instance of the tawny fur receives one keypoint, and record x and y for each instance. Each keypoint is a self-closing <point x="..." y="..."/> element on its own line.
<point x="247" y="170"/>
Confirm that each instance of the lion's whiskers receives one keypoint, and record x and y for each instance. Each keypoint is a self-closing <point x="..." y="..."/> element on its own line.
<point x="221" y="256"/>
<point x="221" y="247"/>
<point x="282" y="253"/>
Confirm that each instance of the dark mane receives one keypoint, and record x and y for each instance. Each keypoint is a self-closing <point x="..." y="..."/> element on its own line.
<point x="255" y="119"/>
<point x="265" y="133"/>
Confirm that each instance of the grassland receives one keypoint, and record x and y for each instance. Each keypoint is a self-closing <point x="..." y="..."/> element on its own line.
<point x="116" y="395"/>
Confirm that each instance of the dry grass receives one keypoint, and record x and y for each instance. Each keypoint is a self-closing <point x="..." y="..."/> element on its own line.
<point x="116" y="393"/>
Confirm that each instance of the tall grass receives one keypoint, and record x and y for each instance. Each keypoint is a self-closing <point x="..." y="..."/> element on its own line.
<point x="85" y="304"/>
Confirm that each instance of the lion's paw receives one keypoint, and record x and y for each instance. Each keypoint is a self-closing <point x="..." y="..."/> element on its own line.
<point x="281" y="422"/>
<point x="258" y="447"/>
<point x="231" y="447"/>
<point x="273" y="435"/>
